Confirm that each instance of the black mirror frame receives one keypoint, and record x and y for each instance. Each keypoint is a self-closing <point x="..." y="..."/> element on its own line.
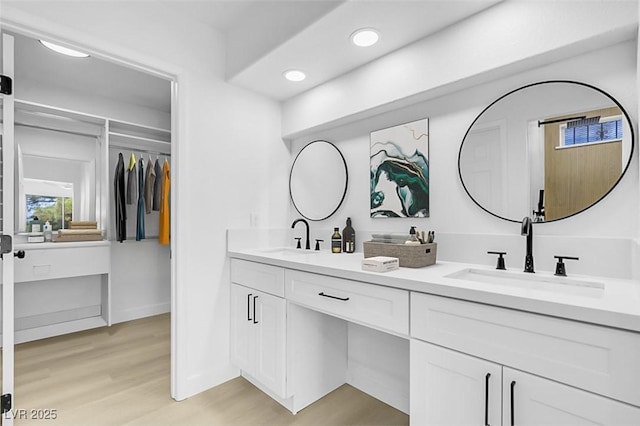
<point x="346" y="181"/>
<point x="624" y="111"/>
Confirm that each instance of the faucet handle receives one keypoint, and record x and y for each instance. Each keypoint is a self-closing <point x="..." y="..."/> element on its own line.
<point x="500" y="264"/>
<point x="318" y="244"/>
<point x="561" y="271"/>
<point x="298" y="245"/>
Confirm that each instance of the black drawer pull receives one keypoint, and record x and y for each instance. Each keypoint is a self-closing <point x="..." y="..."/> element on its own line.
<point x="249" y="306"/>
<point x="255" y="318"/>
<point x="513" y="392"/>
<point x="486" y="399"/>
<point x="344" y="299"/>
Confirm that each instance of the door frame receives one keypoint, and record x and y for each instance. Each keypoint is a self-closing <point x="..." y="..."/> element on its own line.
<point x="8" y="189"/>
<point x="174" y="79"/>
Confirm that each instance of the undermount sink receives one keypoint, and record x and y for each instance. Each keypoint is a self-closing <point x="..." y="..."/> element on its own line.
<point x="530" y="281"/>
<point x="286" y="251"/>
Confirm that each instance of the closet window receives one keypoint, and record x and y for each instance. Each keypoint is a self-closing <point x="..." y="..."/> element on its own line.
<point x="607" y="129"/>
<point x="48" y="200"/>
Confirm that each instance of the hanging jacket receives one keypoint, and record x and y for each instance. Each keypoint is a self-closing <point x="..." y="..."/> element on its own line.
<point x="149" y="183"/>
<point x="119" y="192"/>
<point x="164" y="225"/>
<point x="131" y="180"/>
<point x="157" y="187"/>
<point x="140" y="216"/>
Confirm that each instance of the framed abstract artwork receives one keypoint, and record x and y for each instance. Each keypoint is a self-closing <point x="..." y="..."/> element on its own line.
<point x="399" y="170"/>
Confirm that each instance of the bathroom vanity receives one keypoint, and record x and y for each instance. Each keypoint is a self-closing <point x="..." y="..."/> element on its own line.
<point x="438" y="343"/>
<point x="61" y="288"/>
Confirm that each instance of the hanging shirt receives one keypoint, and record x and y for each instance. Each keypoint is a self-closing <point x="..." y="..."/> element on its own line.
<point x="164" y="225"/>
<point x="121" y="210"/>
<point x="157" y="187"/>
<point x="140" y="216"/>
<point x="131" y="180"/>
<point x="149" y="183"/>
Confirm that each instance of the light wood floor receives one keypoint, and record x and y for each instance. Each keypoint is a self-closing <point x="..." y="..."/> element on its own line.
<point x="119" y="375"/>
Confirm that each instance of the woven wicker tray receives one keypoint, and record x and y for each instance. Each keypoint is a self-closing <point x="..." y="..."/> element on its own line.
<point x="410" y="256"/>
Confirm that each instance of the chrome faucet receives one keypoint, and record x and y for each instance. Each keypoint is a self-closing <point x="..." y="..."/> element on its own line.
<point x="293" y="225"/>
<point x="527" y="230"/>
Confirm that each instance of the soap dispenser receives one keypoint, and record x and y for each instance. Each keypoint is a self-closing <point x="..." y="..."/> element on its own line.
<point x="47" y="232"/>
<point x="413" y="239"/>
<point x="348" y="238"/>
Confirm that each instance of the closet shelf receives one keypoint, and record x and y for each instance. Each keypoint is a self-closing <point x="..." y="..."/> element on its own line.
<point x="139" y="131"/>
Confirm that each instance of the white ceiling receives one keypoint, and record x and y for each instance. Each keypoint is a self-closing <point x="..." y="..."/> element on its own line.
<point x="264" y="38"/>
<point x="322" y="48"/>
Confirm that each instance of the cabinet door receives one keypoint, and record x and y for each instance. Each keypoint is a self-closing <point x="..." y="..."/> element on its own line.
<point x="450" y="388"/>
<point x="270" y="351"/>
<point x="532" y="400"/>
<point x="242" y="330"/>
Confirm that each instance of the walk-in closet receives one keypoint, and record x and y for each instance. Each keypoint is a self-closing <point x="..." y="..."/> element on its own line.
<point x="74" y="118"/>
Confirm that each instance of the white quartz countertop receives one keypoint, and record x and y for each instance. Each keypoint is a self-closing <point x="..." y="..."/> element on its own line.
<point x="58" y="245"/>
<point x="615" y="305"/>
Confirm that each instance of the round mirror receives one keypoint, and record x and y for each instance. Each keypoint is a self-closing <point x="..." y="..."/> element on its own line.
<point x="318" y="180"/>
<point x="547" y="150"/>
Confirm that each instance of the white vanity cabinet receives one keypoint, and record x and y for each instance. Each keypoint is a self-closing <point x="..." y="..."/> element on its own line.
<point x="541" y="370"/>
<point x="451" y="388"/>
<point x="61" y="288"/>
<point x="258" y="323"/>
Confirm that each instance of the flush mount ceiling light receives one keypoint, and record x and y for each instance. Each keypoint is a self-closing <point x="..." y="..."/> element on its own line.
<point x="294" y="75"/>
<point x="64" y="50"/>
<point x="365" y="37"/>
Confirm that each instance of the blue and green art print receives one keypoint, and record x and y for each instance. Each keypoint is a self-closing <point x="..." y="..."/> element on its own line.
<point x="400" y="170"/>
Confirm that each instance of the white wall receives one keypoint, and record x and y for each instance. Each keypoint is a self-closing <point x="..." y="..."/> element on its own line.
<point x="228" y="161"/>
<point x="600" y="236"/>
<point x="510" y="37"/>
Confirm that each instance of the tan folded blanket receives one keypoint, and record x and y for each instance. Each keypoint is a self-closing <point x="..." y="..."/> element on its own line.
<point x="64" y="232"/>
<point x="71" y="238"/>
<point x="83" y="224"/>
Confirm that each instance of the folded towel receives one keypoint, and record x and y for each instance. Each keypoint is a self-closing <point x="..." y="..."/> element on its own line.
<point x="83" y="223"/>
<point x="71" y="238"/>
<point x="79" y="232"/>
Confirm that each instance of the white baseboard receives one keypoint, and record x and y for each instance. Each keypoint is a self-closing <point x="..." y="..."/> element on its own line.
<point x="140" y="312"/>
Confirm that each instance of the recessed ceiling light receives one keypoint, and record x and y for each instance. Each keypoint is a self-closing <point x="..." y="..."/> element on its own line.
<point x="365" y="37"/>
<point x="64" y="50"/>
<point x="294" y="75"/>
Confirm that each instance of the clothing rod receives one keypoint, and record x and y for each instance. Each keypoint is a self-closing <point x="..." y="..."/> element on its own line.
<point x="69" y="132"/>
<point x="560" y="120"/>
<point x="134" y="149"/>
<point x="138" y="138"/>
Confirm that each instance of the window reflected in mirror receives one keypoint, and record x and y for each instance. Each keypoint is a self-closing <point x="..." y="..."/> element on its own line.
<point x="48" y="201"/>
<point x="57" y="178"/>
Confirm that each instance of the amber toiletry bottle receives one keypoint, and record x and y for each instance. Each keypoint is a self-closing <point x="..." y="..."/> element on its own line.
<point x="348" y="238"/>
<point x="336" y="241"/>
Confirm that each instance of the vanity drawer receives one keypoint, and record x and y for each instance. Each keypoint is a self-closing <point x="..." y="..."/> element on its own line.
<point x="599" y="359"/>
<point x="380" y="307"/>
<point x="61" y="262"/>
<point x="266" y="278"/>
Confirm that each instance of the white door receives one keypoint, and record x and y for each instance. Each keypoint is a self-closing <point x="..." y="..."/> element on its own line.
<point x="531" y="400"/>
<point x="242" y="352"/>
<point x="451" y="388"/>
<point x="269" y="323"/>
<point x="6" y="228"/>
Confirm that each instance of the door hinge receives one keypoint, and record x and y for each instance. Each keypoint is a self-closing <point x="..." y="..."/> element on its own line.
<point x="6" y="244"/>
<point x="5" y="401"/>
<point x="6" y="85"/>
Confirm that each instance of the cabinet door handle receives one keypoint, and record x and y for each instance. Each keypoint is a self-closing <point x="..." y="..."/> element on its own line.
<point x="486" y="399"/>
<point x="249" y="306"/>
<point x="255" y="319"/>
<point x="513" y="414"/>
<point x="344" y="299"/>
